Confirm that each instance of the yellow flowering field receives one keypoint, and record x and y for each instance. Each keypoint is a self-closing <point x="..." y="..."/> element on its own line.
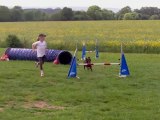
<point x="137" y="36"/>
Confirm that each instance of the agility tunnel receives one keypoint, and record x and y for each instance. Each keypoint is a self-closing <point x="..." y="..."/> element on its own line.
<point x="64" y="57"/>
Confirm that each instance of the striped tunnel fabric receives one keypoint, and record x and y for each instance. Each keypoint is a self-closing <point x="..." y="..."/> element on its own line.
<point x="29" y="54"/>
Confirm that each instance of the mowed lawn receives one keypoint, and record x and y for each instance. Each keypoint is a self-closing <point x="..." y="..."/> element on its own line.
<point x="97" y="95"/>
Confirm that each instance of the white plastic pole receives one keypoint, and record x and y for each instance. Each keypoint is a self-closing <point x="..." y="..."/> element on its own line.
<point x="80" y="64"/>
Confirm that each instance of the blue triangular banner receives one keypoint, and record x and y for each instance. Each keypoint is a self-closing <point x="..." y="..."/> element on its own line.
<point x="73" y="68"/>
<point x="124" y="71"/>
<point x="97" y="52"/>
<point x="83" y="52"/>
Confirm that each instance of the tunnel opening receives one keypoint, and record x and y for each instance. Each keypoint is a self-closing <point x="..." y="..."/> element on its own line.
<point x="65" y="57"/>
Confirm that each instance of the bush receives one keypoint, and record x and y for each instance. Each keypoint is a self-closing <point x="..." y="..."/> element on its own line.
<point x="154" y="17"/>
<point x="131" y="16"/>
<point x="13" y="41"/>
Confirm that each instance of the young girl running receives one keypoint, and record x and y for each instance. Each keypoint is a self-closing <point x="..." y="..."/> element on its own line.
<point x="41" y="46"/>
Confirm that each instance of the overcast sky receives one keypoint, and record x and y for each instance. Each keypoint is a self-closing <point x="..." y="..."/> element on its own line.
<point x="81" y="3"/>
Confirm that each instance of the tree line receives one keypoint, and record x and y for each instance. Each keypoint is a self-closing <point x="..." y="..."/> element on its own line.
<point x="66" y="14"/>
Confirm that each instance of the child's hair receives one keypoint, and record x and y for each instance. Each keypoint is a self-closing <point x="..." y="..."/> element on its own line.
<point x="37" y="38"/>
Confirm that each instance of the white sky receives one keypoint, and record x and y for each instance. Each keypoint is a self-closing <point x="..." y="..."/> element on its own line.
<point x="81" y="3"/>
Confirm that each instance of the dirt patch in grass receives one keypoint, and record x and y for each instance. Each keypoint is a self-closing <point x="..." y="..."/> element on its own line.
<point x="10" y="104"/>
<point x="42" y="105"/>
<point x="1" y="109"/>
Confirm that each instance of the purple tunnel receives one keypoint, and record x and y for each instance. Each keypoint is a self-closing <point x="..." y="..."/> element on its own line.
<point x="64" y="57"/>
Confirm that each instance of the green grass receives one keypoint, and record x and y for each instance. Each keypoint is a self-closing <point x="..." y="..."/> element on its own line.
<point x="97" y="95"/>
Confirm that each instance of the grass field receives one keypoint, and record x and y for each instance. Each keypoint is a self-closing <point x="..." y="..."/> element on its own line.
<point x="137" y="36"/>
<point x="97" y="95"/>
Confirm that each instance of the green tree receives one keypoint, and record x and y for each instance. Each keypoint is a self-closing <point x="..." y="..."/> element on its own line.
<point x="67" y="13"/>
<point x="147" y="12"/>
<point x="154" y="17"/>
<point x="56" y="17"/>
<point x="80" y="15"/>
<point x="108" y="14"/>
<point x="38" y="15"/>
<point x="122" y="12"/>
<point x="131" y="16"/>
<point x="29" y="16"/>
<point x="17" y="13"/>
<point x="95" y="12"/>
<point x="4" y="14"/>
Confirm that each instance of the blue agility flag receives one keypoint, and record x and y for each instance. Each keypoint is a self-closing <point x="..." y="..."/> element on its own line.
<point x="73" y="68"/>
<point x="83" y="52"/>
<point x="97" y="52"/>
<point x="124" y="71"/>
